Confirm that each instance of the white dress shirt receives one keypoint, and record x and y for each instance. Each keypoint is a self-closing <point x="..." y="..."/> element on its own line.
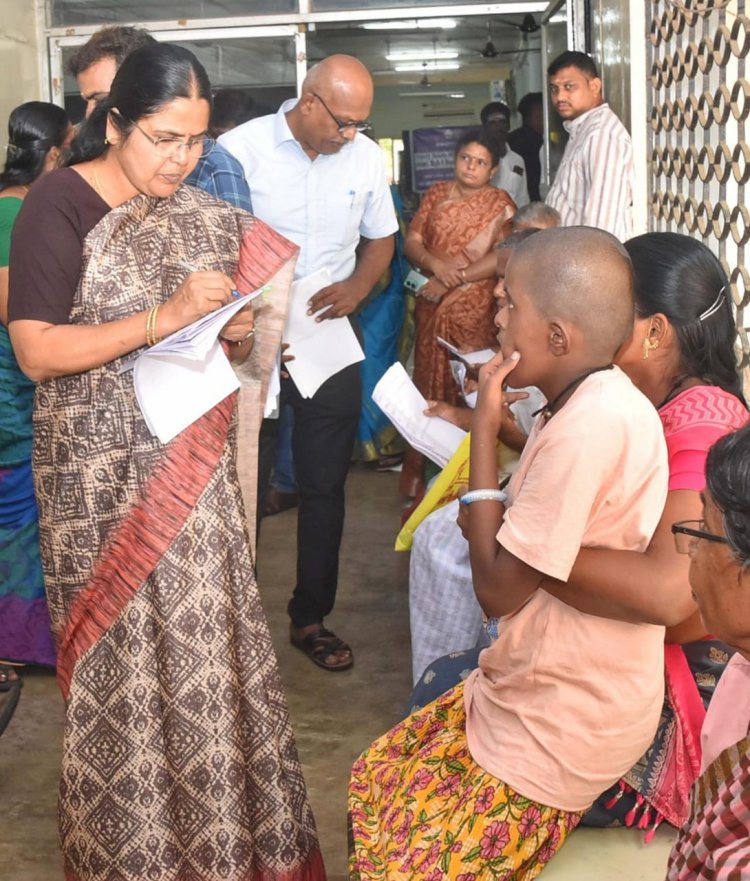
<point x="323" y="205"/>
<point x="594" y="183"/>
<point x="511" y="177"/>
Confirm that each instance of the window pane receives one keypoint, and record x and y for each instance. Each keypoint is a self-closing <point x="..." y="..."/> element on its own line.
<point x="262" y="67"/>
<point x="77" y="12"/>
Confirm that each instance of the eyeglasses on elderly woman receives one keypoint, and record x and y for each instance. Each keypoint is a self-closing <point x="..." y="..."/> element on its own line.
<point x="686" y="531"/>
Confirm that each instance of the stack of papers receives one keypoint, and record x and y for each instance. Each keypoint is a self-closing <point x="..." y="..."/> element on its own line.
<point x="403" y="404"/>
<point x="320" y="348"/>
<point x="182" y="377"/>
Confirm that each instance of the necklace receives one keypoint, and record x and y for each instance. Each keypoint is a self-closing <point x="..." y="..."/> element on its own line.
<point x="97" y="185"/>
<point x="673" y="390"/>
<point x="549" y="409"/>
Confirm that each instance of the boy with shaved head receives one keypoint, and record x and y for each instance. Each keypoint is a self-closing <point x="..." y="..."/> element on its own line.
<point x="500" y="768"/>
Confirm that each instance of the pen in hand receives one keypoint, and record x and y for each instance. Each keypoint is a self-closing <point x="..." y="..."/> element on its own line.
<point x="190" y="267"/>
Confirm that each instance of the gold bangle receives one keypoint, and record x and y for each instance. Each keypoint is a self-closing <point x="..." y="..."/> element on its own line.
<point x="151" y="338"/>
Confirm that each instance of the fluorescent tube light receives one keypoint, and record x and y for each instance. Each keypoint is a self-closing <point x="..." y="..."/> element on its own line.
<point x="428" y="66"/>
<point x="410" y="24"/>
<point x="422" y="55"/>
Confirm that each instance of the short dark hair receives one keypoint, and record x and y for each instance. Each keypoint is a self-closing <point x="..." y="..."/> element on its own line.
<point x="585" y="63"/>
<point x="492" y="108"/>
<point x="149" y="79"/>
<point x="34" y="128"/>
<point x="479" y="136"/>
<point x="231" y="107"/>
<point x="728" y="481"/>
<point x="112" y="42"/>
<point x="529" y="102"/>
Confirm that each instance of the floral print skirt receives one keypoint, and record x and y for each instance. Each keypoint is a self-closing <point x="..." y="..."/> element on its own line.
<point x="420" y="808"/>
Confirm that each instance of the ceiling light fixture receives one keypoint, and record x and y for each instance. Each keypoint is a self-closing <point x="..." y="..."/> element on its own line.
<point x="422" y="55"/>
<point x="432" y="95"/>
<point x="427" y="66"/>
<point x="410" y="24"/>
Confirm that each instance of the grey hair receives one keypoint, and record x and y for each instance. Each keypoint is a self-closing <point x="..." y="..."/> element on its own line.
<point x="537" y="214"/>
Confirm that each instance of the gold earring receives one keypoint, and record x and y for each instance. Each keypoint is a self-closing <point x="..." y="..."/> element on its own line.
<point x="106" y="141"/>
<point x="649" y="345"/>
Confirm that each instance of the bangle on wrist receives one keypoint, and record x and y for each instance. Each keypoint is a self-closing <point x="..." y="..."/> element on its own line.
<point x="151" y="338"/>
<point x="483" y="495"/>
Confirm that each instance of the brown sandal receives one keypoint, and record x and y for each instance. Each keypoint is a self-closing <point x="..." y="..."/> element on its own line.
<point x="322" y="645"/>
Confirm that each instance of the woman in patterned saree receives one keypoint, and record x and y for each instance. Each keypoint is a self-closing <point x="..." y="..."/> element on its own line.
<point x="179" y="759"/>
<point x="37" y="132"/>
<point x="457" y="224"/>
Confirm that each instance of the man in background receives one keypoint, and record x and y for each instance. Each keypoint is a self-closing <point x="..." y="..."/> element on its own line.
<point x="527" y="140"/>
<point x="594" y="183"/>
<point x="94" y="66"/>
<point x="511" y="174"/>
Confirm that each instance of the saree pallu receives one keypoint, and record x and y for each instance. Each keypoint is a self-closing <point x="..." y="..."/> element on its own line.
<point x="24" y="620"/>
<point x="421" y="809"/>
<point x="714" y="843"/>
<point x="381" y="322"/>
<point x="179" y="762"/>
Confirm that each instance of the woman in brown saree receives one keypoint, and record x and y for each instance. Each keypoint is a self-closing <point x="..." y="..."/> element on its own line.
<point x="457" y="224"/>
<point x="179" y="760"/>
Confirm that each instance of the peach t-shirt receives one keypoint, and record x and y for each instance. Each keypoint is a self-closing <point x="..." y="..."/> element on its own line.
<point x="564" y="703"/>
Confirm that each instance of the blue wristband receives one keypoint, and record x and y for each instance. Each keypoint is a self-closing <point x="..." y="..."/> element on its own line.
<point x="484" y="495"/>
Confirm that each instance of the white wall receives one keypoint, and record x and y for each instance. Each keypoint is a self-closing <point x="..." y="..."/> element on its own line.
<point x="20" y="59"/>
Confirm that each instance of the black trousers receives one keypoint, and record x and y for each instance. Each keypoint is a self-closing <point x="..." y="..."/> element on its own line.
<point x="325" y="427"/>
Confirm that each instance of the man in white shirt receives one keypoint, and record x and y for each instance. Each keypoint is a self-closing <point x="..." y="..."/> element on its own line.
<point x="321" y="183"/>
<point x="511" y="169"/>
<point x="594" y="184"/>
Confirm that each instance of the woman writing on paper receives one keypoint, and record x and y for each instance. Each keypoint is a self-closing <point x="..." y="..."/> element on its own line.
<point x="175" y="714"/>
<point x="457" y="224"/>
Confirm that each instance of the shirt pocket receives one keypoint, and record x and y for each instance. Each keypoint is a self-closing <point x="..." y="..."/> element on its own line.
<point x="344" y="213"/>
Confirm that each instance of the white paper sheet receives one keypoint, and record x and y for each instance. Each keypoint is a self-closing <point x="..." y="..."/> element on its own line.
<point x="403" y="404"/>
<point x="180" y="378"/>
<point x="320" y="348"/>
<point x="481" y="356"/>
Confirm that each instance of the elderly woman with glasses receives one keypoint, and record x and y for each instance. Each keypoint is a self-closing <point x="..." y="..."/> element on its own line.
<point x="458" y="223"/>
<point x="714" y="842"/>
<point x="179" y="759"/>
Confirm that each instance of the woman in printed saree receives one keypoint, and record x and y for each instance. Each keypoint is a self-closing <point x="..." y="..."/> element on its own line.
<point x="714" y="842"/>
<point x="179" y="760"/>
<point x="457" y="224"/>
<point x="37" y="132"/>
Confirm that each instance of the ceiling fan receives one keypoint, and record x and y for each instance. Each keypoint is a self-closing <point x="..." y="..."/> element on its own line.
<point x="528" y="25"/>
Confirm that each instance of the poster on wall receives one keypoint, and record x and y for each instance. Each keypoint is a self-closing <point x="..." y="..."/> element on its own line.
<point x="432" y="152"/>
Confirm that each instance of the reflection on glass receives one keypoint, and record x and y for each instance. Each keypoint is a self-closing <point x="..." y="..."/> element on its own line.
<point x="262" y="67"/>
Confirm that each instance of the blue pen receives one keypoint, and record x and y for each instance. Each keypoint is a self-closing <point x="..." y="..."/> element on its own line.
<point x="352" y="193"/>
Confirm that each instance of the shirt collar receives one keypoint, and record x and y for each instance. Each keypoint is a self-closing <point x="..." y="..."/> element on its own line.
<point x="281" y="130"/>
<point x="572" y="125"/>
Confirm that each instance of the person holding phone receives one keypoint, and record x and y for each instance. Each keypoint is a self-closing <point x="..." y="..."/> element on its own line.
<point x="458" y="223"/>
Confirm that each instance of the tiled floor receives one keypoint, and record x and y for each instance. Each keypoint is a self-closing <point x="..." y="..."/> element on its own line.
<point x="335" y="716"/>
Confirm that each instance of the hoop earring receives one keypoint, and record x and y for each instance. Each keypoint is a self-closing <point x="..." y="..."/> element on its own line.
<point x="649" y="345"/>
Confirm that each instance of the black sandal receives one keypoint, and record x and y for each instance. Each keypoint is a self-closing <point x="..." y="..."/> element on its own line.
<point x="10" y="686"/>
<point x="321" y="645"/>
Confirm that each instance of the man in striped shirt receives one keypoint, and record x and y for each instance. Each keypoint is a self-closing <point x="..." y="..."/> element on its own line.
<point x="594" y="183"/>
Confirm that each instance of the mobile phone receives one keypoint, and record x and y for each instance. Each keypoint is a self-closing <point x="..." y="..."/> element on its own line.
<point x="415" y="280"/>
